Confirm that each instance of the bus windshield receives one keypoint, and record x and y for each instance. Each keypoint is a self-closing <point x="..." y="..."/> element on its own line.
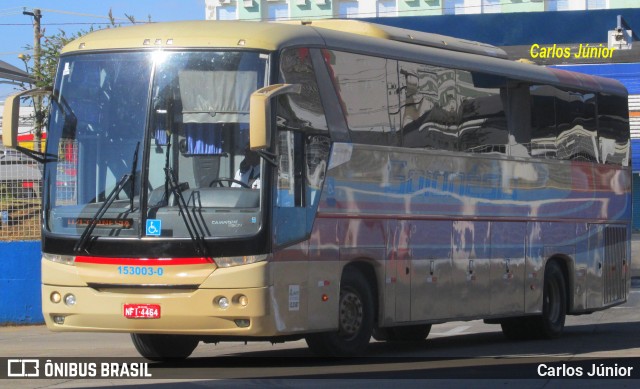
<point x="154" y="144"/>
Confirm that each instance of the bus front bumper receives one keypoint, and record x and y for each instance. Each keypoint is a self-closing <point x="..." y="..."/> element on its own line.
<point x="196" y="312"/>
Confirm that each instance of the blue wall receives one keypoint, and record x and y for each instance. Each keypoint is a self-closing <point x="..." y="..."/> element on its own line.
<point x="20" y="283"/>
<point x="525" y="28"/>
<point x="626" y="73"/>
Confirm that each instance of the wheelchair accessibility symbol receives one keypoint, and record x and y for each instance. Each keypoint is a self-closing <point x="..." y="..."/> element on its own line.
<point x="154" y="227"/>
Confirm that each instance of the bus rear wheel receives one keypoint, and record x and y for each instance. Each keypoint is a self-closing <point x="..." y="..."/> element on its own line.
<point x="550" y="324"/>
<point x="157" y="347"/>
<point x="355" y="320"/>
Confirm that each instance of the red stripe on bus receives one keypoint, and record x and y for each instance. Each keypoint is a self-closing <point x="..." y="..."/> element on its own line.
<point x="144" y="261"/>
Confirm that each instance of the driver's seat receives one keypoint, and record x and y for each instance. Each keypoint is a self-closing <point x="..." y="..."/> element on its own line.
<point x="205" y="170"/>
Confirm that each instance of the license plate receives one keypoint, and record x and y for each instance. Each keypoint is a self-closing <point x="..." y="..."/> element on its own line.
<point x="142" y="311"/>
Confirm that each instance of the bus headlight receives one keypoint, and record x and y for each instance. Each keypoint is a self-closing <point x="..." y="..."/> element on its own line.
<point x="64" y="259"/>
<point x="237" y="261"/>
<point x="70" y="300"/>
<point x="223" y="302"/>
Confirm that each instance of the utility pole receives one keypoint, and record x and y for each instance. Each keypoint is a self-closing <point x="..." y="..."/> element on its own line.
<point x="37" y="100"/>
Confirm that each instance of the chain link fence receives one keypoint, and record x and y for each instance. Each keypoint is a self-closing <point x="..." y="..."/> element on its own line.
<point x="20" y="201"/>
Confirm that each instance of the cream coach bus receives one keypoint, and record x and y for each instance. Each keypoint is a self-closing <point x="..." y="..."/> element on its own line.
<point x="330" y="180"/>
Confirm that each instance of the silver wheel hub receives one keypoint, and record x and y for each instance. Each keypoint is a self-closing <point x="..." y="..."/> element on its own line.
<point x="350" y="314"/>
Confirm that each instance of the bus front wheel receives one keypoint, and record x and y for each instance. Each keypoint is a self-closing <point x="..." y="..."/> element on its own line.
<point x="355" y="320"/>
<point x="156" y="347"/>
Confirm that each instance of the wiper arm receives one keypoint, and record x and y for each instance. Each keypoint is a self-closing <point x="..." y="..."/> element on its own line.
<point x="133" y="176"/>
<point x="86" y="234"/>
<point x="170" y="185"/>
<point x="189" y="222"/>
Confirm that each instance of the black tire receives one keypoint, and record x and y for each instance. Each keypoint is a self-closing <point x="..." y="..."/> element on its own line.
<point x="414" y="333"/>
<point x="550" y="324"/>
<point x="355" y="320"/>
<point x="156" y="347"/>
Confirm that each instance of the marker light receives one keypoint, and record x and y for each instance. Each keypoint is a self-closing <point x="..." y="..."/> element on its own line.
<point x="55" y="297"/>
<point x="237" y="261"/>
<point x="243" y="300"/>
<point x="64" y="259"/>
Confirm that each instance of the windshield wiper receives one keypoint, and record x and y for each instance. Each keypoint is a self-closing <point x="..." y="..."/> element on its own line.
<point x="132" y="177"/>
<point x="86" y="234"/>
<point x="171" y="186"/>
<point x="196" y="237"/>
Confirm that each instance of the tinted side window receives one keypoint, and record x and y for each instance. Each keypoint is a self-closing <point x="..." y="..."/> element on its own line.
<point x="576" y="124"/>
<point x="368" y="89"/>
<point x="428" y="106"/>
<point x="301" y="111"/>
<point x="481" y="113"/>
<point x="543" y="122"/>
<point x="299" y="117"/>
<point x="613" y="129"/>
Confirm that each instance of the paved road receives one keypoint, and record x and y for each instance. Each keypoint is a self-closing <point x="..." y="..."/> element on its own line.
<point x="456" y="354"/>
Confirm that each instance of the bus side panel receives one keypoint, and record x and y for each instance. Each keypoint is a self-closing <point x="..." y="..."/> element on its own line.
<point x="609" y="280"/>
<point x="364" y="241"/>
<point x="507" y="267"/>
<point x="399" y="265"/>
<point x="324" y="275"/>
<point x="471" y="244"/>
<point x="396" y="183"/>
<point x="433" y="292"/>
<point x="594" y="275"/>
<point x="290" y="290"/>
<point x="581" y="266"/>
<point x="534" y="269"/>
<point x="547" y="240"/>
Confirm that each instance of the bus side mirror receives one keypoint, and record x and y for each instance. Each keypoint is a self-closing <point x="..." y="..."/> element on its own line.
<point x="260" y="113"/>
<point x="11" y="115"/>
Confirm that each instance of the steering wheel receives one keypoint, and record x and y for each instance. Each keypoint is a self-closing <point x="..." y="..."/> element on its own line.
<point x="229" y="181"/>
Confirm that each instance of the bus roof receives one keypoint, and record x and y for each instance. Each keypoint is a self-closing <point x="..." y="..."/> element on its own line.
<point x="261" y="35"/>
<point x="195" y="34"/>
<point x="348" y="35"/>
<point x="407" y="36"/>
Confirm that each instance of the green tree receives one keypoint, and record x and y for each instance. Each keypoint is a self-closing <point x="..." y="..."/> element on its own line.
<point x="51" y="45"/>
